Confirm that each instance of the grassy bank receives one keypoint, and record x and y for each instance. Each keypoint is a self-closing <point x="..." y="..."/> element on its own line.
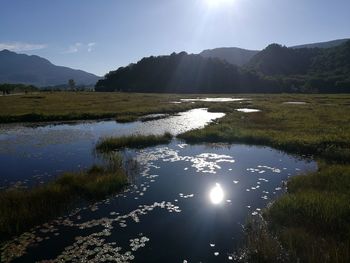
<point x="312" y="220"/>
<point x="64" y="106"/>
<point x="22" y="209"/>
<point x="310" y="223"/>
<point x="132" y="141"/>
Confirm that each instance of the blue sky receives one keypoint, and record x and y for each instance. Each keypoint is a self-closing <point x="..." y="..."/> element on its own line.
<point x="102" y="35"/>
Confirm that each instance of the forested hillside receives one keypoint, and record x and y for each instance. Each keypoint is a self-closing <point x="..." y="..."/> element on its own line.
<point x="182" y="73"/>
<point x="274" y="69"/>
<point x="233" y="55"/>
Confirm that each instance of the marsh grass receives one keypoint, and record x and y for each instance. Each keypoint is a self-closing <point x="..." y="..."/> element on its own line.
<point x="64" y="106"/>
<point x="22" y="209"/>
<point x="132" y="141"/>
<point x="289" y="245"/>
<point x="310" y="222"/>
<point x="320" y="128"/>
<point x="261" y="245"/>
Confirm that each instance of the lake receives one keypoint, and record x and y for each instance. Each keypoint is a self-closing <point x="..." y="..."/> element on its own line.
<point x="186" y="203"/>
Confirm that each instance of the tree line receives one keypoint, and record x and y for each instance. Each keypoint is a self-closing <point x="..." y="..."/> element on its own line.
<point x="275" y="69"/>
<point x="6" y="89"/>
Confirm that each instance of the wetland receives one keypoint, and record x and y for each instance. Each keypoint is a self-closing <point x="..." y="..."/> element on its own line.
<point x="199" y="175"/>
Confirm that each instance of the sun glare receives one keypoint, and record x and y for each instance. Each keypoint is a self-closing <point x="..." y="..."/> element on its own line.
<point x="217" y="3"/>
<point x="216" y="194"/>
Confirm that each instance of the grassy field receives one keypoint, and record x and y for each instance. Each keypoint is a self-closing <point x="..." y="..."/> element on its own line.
<point x="59" y="106"/>
<point x="21" y="209"/>
<point x="312" y="221"/>
<point x="321" y="127"/>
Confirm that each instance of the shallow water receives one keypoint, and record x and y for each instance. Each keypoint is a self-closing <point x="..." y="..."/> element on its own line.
<point x="188" y="203"/>
<point x="33" y="155"/>
<point x="247" y="110"/>
<point x="213" y="99"/>
<point x="295" y="102"/>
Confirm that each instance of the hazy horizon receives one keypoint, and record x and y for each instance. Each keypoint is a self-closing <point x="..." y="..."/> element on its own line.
<point x="99" y="37"/>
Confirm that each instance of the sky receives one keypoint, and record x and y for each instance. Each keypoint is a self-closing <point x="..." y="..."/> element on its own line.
<point x="101" y="35"/>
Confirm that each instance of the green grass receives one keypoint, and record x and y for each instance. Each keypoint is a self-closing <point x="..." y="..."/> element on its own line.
<point x="63" y="106"/>
<point x="310" y="223"/>
<point x="22" y="209"/>
<point x="132" y="141"/>
<point x="316" y="128"/>
<point x="314" y="215"/>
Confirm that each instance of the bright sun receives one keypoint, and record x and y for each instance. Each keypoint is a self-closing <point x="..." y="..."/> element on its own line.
<point x="216" y="3"/>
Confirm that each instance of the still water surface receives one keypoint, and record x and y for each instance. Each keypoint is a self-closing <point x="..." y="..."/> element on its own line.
<point x="33" y="155"/>
<point x="187" y="202"/>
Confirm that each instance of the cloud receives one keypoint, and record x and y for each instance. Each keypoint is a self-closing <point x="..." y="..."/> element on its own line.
<point x="73" y="48"/>
<point x="20" y="46"/>
<point x="89" y="47"/>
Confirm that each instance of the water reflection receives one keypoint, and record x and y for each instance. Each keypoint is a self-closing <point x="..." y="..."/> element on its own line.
<point x="213" y="99"/>
<point x="165" y="204"/>
<point x="247" y="110"/>
<point x="46" y="151"/>
<point x="216" y="194"/>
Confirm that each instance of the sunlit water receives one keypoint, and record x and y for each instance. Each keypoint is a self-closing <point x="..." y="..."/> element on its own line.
<point x="33" y="155"/>
<point x="295" y="102"/>
<point x="247" y="110"/>
<point x="213" y="99"/>
<point x="187" y="203"/>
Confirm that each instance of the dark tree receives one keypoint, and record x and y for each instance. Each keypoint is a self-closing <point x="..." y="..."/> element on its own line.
<point x="71" y="84"/>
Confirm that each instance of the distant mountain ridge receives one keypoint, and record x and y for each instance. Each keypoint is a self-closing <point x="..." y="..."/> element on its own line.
<point x="327" y="44"/>
<point x="233" y="55"/>
<point x="275" y="69"/>
<point x="38" y="71"/>
<point x="240" y="56"/>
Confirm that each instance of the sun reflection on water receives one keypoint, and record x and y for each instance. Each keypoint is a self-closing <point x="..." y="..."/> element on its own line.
<point x="216" y="194"/>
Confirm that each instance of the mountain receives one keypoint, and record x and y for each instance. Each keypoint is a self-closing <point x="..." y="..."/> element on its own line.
<point x="233" y="55"/>
<point x="306" y="69"/>
<point x="280" y="60"/>
<point x="333" y="61"/>
<point x="180" y="73"/>
<point x="35" y="70"/>
<point x="241" y="57"/>
<point x="328" y="44"/>
<point x="274" y="69"/>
